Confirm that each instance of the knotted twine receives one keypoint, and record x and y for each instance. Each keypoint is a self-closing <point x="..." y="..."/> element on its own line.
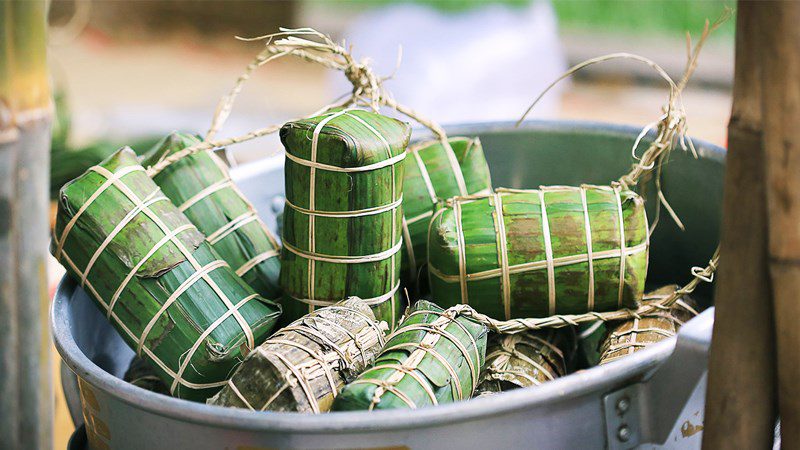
<point x="671" y="127"/>
<point x="312" y="46"/>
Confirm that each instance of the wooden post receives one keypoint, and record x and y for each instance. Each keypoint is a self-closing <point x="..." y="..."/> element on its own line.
<point x="740" y="402"/>
<point x="781" y="105"/>
<point x="26" y="397"/>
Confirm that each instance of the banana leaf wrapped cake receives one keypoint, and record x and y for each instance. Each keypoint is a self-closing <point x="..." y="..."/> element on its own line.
<point x="524" y="360"/>
<point x="435" y="356"/>
<point x="201" y="187"/>
<point x="342" y="222"/>
<point x="160" y="283"/>
<point x="435" y="171"/>
<point x="304" y="365"/>
<point x="536" y="253"/>
<point x="627" y="337"/>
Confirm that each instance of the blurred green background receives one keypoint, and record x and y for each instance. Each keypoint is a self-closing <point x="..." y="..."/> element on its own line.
<point x="661" y="16"/>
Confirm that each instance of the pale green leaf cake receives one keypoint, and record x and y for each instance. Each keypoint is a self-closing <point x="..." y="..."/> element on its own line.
<point x="436" y="172"/>
<point x="157" y="279"/>
<point x="201" y="187"/>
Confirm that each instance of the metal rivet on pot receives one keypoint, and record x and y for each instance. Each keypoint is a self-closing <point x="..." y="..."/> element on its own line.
<point x="624" y="433"/>
<point x="623" y="405"/>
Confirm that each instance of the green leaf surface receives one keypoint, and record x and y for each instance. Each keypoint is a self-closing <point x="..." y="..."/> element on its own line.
<point x="163" y="287"/>
<point x="348" y="140"/>
<point x="421" y="367"/>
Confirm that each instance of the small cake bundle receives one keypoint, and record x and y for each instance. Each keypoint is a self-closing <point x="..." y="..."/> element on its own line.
<point x="434" y="357"/>
<point x="304" y="365"/>
<point x="157" y="279"/>
<point x="201" y="187"/>
<point x="537" y="253"/>
<point x="635" y="334"/>
<point x="435" y="172"/>
<point x="523" y="360"/>
<point x="342" y="222"/>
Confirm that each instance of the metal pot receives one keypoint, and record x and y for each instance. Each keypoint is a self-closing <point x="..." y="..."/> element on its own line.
<point x="653" y="396"/>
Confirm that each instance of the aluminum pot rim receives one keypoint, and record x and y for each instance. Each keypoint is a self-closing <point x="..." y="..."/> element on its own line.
<point x="607" y="377"/>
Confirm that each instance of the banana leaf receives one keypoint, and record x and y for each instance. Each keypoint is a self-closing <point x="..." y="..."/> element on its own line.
<point x="630" y="336"/>
<point x="524" y="359"/>
<point x="201" y="187"/>
<point x="434" y="172"/>
<point x="434" y="357"/>
<point x="536" y="253"/>
<point x="162" y="286"/>
<point x="342" y="222"/>
<point x="304" y="366"/>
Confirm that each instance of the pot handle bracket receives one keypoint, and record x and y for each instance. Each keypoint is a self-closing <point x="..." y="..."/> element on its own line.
<point x="646" y="412"/>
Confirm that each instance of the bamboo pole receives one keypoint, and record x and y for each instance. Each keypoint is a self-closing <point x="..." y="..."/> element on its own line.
<point x="781" y="105"/>
<point x="26" y="397"/>
<point x="740" y="402"/>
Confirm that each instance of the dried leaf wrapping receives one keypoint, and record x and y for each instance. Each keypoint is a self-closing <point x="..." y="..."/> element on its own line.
<point x="524" y="360"/>
<point x="630" y="336"/>
<point x="303" y="366"/>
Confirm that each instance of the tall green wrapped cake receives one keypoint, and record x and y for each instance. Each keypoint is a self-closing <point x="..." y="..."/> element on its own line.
<point x="342" y="222"/>
<point x="157" y="279"/>
<point x="201" y="187"/>
<point x="435" y="356"/>
<point x="436" y="172"/>
<point x="536" y="253"/>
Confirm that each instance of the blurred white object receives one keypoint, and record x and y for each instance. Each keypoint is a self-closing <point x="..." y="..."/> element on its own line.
<point x="486" y="64"/>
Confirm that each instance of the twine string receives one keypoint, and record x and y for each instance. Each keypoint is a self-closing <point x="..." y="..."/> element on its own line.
<point x="699" y="274"/>
<point x="671" y="127"/>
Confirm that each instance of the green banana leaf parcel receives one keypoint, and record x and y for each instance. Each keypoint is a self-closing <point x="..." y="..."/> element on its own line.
<point x="435" y="356"/>
<point x="342" y="222"/>
<point x="162" y="286"/>
<point x="434" y="172"/>
<point x="201" y="187"/>
<point x="536" y="253"/>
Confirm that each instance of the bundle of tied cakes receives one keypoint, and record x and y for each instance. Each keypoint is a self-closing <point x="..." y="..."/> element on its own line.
<point x="160" y="283"/>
